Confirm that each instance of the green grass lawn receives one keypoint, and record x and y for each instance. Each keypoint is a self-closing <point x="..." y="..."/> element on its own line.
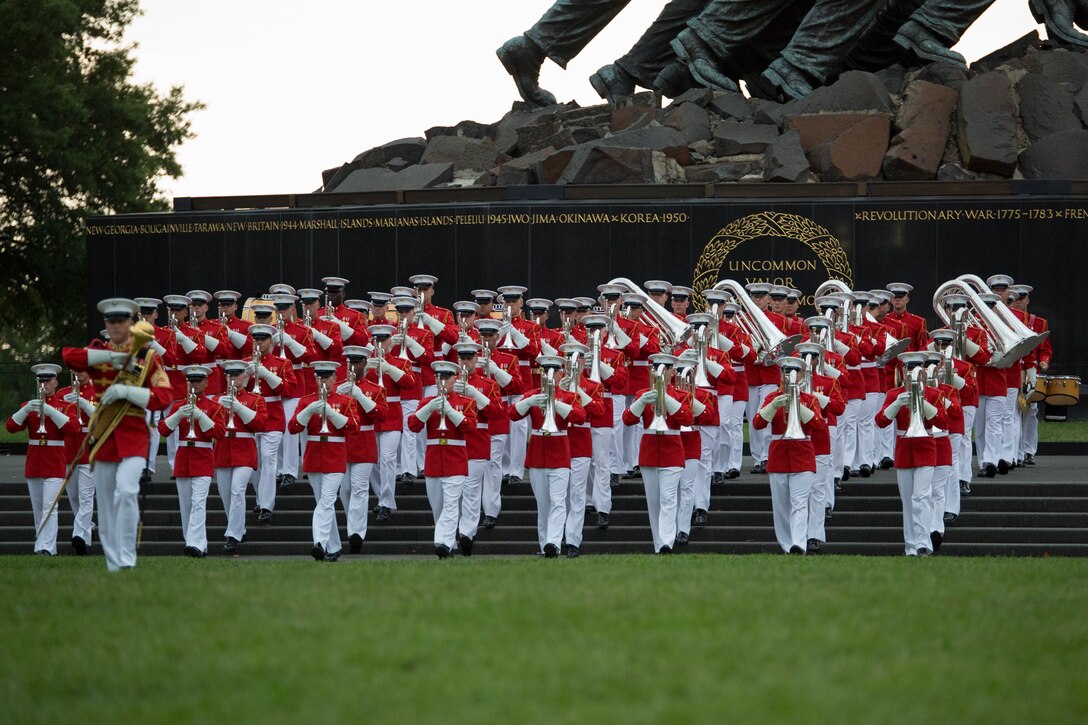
<point x="600" y="639"/>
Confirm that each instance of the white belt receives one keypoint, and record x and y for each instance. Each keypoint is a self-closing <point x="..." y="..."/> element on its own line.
<point x="579" y="425"/>
<point x="85" y="429"/>
<point x="416" y="369"/>
<point x="365" y="428"/>
<point x="524" y="362"/>
<point x="272" y="399"/>
<point x="640" y="363"/>
<point x="940" y="434"/>
<point x="481" y="426"/>
<point x="853" y="367"/>
<point x="196" y="444"/>
<point x="869" y="365"/>
<point x="738" y="368"/>
<point x="901" y="433"/>
<point x="669" y="432"/>
<point x="444" y="442"/>
<point x="325" y="438"/>
<point x="238" y="434"/>
<point x="778" y="437"/>
<point x="46" y="443"/>
<point x="300" y="366"/>
<point x="211" y="364"/>
<point x="393" y="399"/>
<point x="543" y="434"/>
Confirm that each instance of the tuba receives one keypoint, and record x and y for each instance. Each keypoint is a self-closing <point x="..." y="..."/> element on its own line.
<point x="1008" y="342"/>
<point x="673" y="331"/>
<point x="106" y="418"/>
<point x="547" y="386"/>
<point x="770" y="342"/>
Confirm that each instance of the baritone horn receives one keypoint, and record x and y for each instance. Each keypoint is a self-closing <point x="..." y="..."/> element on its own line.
<point x="547" y="386"/>
<point x="794" y="431"/>
<point x="917" y="426"/>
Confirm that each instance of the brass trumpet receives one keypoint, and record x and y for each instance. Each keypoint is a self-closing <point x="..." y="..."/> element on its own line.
<point x="41" y="408"/>
<point x="441" y="385"/>
<point x="231" y="393"/>
<point x="324" y="393"/>
<point x="191" y="400"/>
<point x="256" y="362"/>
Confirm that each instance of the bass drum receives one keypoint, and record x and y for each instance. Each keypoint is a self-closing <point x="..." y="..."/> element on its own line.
<point x="1063" y="390"/>
<point x="1039" y="394"/>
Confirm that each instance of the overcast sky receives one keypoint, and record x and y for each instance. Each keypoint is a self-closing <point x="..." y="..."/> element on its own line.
<point x="293" y="87"/>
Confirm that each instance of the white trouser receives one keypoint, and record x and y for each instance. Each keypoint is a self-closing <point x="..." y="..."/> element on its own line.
<point x="117" y="486"/>
<point x="736" y="435"/>
<point x="617" y="456"/>
<point x="686" y="495"/>
<point x="171" y="449"/>
<point x="421" y="438"/>
<point x="601" y="468"/>
<point x="817" y="499"/>
<point x="576" y="500"/>
<point x="384" y="484"/>
<point x="719" y="454"/>
<point x="325" y="531"/>
<point x="758" y="440"/>
<point x="42" y="493"/>
<point x="662" y="499"/>
<point x="1029" y="434"/>
<point x="1010" y="438"/>
<point x="471" y="497"/>
<point x="632" y="439"/>
<point x="491" y="497"/>
<point x="232" y="483"/>
<point x="964" y="458"/>
<point x="193" y="506"/>
<point x="789" y="504"/>
<point x="355" y="495"/>
<point x="409" y="462"/>
<point x="938" y="498"/>
<point x="989" y="427"/>
<point x="513" y="458"/>
<point x="708" y="445"/>
<point x="447" y="495"/>
<point x="915" y="487"/>
<point x="550" y="489"/>
<point x="952" y="481"/>
<point x="288" y="456"/>
<point x="848" y="431"/>
<point x="838" y="447"/>
<point x="885" y="438"/>
<point x="268" y="451"/>
<point x="81" y="497"/>
<point x="153" y="443"/>
<point x="870" y="406"/>
<point x="834" y="468"/>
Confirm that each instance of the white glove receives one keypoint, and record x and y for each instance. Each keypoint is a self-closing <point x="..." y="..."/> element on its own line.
<point x="86" y="406"/>
<point x="138" y="396"/>
<point x="519" y="338"/>
<point x="896" y="405"/>
<point x="714" y="368"/>
<point x="547" y="349"/>
<point x="72" y="396"/>
<point x="671" y="404"/>
<point x="322" y="339"/>
<point x="336" y="418"/>
<point x="414" y="348"/>
<point x="31" y="406"/>
<point x="1032" y="376"/>
<point x="744" y="350"/>
<point x="958" y="382"/>
<point x="472" y="392"/>
<point x="830" y="371"/>
<point x="268" y="376"/>
<point x="806" y="413"/>
<point x="296" y="348"/>
<point x="154" y="345"/>
<point x="607" y="371"/>
<point x="236" y="338"/>
<point x="697" y="408"/>
<point x="822" y="399"/>
<point x="204" y="420"/>
<point x="647" y="398"/>
<point x="392" y="371"/>
<point x="433" y="324"/>
<point x="780" y="401"/>
<point x="584" y="398"/>
<point x="840" y="347"/>
<point x="454" y="416"/>
<point x="767" y="411"/>
<point x="210" y="342"/>
<point x="365" y="401"/>
<point x="346" y="330"/>
<point x="58" y="418"/>
<point x="186" y="344"/>
<point x="622" y="338"/>
<point x="970" y="348"/>
<point x="502" y="377"/>
<point x="239" y="409"/>
<point x="116" y="360"/>
<point x="929" y="410"/>
<point x="309" y="411"/>
<point x="724" y="343"/>
<point x="174" y="419"/>
<point x="425" y="411"/>
<point x="563" y="409"/>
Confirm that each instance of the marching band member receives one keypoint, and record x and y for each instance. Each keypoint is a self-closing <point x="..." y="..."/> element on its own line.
<point x="613" y="338"/>
<point x="1010" y="436"/>
<point x="644" y="343"/>
<point x="571" y="329"/>
<point x="438" y="320"/>
<point x="518" y="337"/>
<point x="858" y="456"/>
<point x="551" y="411"/>
<point x="447" y="418"/>
<point x="550" y="340"/>
<point x="192" y="419"/>
<point x="792" y="323"/>
<point x="490" y="410"/>
<point x="832" y="403"/>
<point x="658" y="291"/>
<point x="416" y="346"/>
<point x="187" y="349"/>
<point x="762" y="381"/>
<point x="272" y="378"/>
<point x="352" y="324"/>
<point x="294" y="342"/>
<point x="466" y="313"/>
<point x="503" y="368"/>
<point x="379" y="307"/>
<point x="852" y="383"/>
<point x="916" y="325"/>
<point x="165" y="344"/>
<point x="120" y="458"/>
<point x="590" y="396"/>
<point x="914" y="409"/>
<point x="946" y="449"/>
<point x="990" y="418"/>
<point x="963" y="379"/>
<point x="80" y="491"/>
<point x="661" y="410"/>
<point x="612" y="370"/>
<point x="873" y="331"/>
<point x="1038" y="360"/>
<point x="485" y="298"/>
<point x="791" y="461"/>
<point x="679" y="297"/>
<point x="362" y="445"/>
<point x="833" y="367"/>
<point x="885" y="437"/>
<point x="48" y="418"/>
<point x="972" y="367"/>
<point x="729" y="455"/>
<point x="395" y="375"/>
<point x="242" y="415"/>
<point x="213" y="335"/>
<point x="327" y="416"/>
<point x="694" y="496"/>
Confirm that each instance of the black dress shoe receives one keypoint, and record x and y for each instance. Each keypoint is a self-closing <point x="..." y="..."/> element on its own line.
<point x="1029" y="460"/>
<point x="813" y="546"/>
<point x="317" y="552"/>
<point x="488" y="522"/>
<point x="923" y="551"/>
<point x="384" y="513"/>
<point x="279" y="479"/>
<point x="886" y="463"/>
<point x="1003" y="467"/>
<point x="231" y="545"/>
<point x="442" y="551"/>
<point x="43" y="552"/>
<point x="827" y="513"/>
<point x="936" y="539"/>
<point x="797" y="550"/>
<point x="838" y="486"/>
<point x="79" y="545"/>
<point x="287" y="481"/>
<point x="193" y="553"/>
<point x="506" y="479"/>
<point x="700" y="517"/>
<point x="990" y="470"/>
<point x="356" y="543"/>
<point x="733" y="473"/>
<point x="950" y="518"/>
<point x="965" y="488"/>
<point x="612" y="83"/>
<point x="602" y="520"/>
<point x="666" y="549"/>
<point x="682" y="538"/>
<point x="630" y="474"/>
<point x="514" y="481"/>
<point x="466" y="545"/>
<point x="522" y="58"/>
<point x="614" y="479"/>
<point x="551" y="551"/>
<point x="845" y="474"/>
<point x="717" y="479"/>
<point x="264" y="518"/>
<point x="573" y="552"/>
<point x="145" y="476"/>
<point x="332" y="556"/>
<point x="865" y="470"/>
<point x="256" y="508"/>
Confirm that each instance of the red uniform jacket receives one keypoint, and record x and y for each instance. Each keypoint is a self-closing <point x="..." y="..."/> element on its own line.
<point x="326" y="452"/>
<point x="195" y="457"/>
<point x="225" y="350"/>
<point x="334" y="352"/>
<point x="491" y="415"/>
<point x="791" y="456"/>
<point x="530" y="373"/>
<point x="361" y="441"/>
<point x="663" y="449"/>
<point x="421" y="364"/>
<point x="550" y="451"/>
<point x="510" y="364"/>
<point x="393" y="416"/>
<point x="132" y="437"/>
<point x="273" y="396"/>
<point x="237" y="447"/>
<point x="644" y="343"/>
<point x="836" y="404"/>
<point x="73" y="436"/>
<point x="899" y="330"/>
<point x="447" y="450"/>
<point x="449" y="334"/>
<point x="620" y="380"/>
<point x="45" y="452"/>
<point x="358" y="322"/>
<point x="175" y="358"/>
<point x="916" y="328"/>
<point x="741" y="355"/>
<point x="579" y="435"/>
<point x="913" y="452"/>
<point x="691" y="437"/>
